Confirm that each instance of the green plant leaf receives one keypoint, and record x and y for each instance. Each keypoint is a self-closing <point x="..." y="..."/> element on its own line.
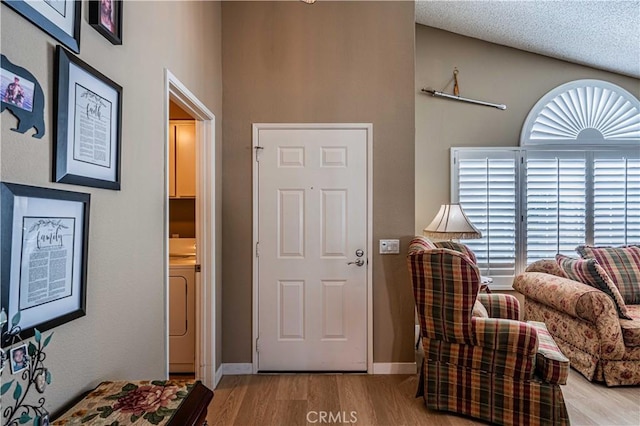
<point x="32" y="349"/>
<point x="5" y="387"/>
<point x="153" y="418"/>
<point x="107" y="410"/>
<point x="47" y="340"/>
<point x="129" y="387"/>
<point x="17" y="392"/>
<point x="16" y="319"/>
<point x="164" y="411"/>
<point x="47" y="377"/>
<point x="134" y="418"/>
<point x="159" y="382"/>
<point x="89" y="418"/>
<point x="38" y="335"/>
<point x="182" y="394"/>
<point x="24" y="418"/>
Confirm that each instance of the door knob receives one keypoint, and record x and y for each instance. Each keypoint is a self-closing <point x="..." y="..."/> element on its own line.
<point x="358" y="262"/>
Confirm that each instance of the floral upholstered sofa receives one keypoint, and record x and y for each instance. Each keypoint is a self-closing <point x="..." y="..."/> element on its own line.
<point x="591" y="306"/>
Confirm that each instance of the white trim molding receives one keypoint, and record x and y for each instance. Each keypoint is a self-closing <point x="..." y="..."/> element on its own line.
<point x="236" y="369"/>
<point x="394" y="368"/>
<point x="205" y="230"/>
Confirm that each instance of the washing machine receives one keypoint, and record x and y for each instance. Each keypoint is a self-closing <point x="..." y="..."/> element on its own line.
<point x="182" y="305"/>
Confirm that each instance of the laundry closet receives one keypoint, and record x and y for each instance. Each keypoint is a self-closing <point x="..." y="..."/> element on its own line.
<point x="182" y="241"/>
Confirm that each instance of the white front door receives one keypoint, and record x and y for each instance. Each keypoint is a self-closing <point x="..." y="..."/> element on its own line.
<point x="312" y="247"/>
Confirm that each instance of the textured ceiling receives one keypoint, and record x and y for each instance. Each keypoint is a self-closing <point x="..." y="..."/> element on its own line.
<point x="601" y="34"/>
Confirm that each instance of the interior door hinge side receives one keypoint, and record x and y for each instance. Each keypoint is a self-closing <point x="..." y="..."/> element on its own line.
<point x="258" y="249"/>
<point x="257" y="344"/>
<point x="258" y="149"/>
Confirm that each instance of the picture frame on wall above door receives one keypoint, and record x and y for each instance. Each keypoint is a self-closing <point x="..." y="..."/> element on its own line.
<point x="105" y="16"/>
<point x="88" y="115"/>
<point x="58" y="18"/>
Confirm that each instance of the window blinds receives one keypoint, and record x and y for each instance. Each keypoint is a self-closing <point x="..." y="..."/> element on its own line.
<point x="555" y="211"/>
<point x="530" y="204"/>
<point x="486" y="182"/>
<point x="616" y="199"/>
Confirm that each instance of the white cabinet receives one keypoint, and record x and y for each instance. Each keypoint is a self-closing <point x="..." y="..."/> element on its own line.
<point x="182" y="159"/>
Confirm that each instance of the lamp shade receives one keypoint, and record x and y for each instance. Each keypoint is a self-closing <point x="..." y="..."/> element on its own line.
<point x="451" y="223"/>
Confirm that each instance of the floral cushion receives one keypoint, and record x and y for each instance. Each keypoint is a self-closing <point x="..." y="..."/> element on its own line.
<point x="623" y="266"/>
<point x="588" y="271"/>
<point x="125" y="403"/>
<point x="631" y="328"/>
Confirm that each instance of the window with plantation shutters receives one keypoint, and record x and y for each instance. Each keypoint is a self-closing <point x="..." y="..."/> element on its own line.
<point x="616" y="198"/>
<point x="485" y="184"/>
<point x="531" y="204"/>
<point x="555" y="203"/>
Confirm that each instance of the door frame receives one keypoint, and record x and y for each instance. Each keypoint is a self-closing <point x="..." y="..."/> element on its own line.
<point x="206" y="231"/>
<point x="368" y="127"/>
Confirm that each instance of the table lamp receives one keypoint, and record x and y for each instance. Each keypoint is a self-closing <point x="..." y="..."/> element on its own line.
<point x="451" y="223"/>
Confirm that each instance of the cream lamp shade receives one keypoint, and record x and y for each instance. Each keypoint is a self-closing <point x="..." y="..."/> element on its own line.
<point x="451" y="223"/>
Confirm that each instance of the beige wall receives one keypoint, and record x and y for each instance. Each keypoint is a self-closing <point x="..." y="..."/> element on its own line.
<point x="330" y="62"/>
<point x="123" y="334"/>
<point x="487" y="72"/>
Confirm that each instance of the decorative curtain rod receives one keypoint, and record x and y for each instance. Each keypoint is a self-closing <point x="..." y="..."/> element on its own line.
<point x="434" y="92"/>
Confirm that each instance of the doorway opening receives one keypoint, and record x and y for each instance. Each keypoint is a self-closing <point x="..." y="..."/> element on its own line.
<point x="189" y="235"/>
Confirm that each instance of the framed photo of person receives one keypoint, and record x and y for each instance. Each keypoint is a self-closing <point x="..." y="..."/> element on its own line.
<point x="58" y="18"/>
<point x="106" y="17"/>
<point x="88" y="114"/>
<point x="44" y="258"/>
<point x="19" y="358"/>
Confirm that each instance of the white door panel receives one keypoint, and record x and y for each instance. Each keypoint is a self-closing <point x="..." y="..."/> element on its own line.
<point x="312" y="218"/>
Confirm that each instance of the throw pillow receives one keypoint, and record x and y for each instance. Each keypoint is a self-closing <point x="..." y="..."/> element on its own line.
<point x="623" y="266"/>
<point x="588" y="271"/>
<point x="459" y="247"/>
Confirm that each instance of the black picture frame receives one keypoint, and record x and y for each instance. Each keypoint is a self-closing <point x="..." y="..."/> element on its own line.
<point x="88" y="124"/>
<point x="44" y="245"/>
<point x="111" y="26"/>
<point x="60" y="19"/>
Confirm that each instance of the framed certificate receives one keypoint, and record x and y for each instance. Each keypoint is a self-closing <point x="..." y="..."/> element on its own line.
<point x="88" y="111"/>
<point x="44" y="258"/>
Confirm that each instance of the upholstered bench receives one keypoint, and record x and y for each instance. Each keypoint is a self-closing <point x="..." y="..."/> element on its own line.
<point x="551" y="364"/>
<point x="158" y="402"/>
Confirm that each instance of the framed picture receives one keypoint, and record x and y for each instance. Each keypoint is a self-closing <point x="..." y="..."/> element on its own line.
<point x="87" y="111"/>
<point x="19" y="358"/>
<point x="106" y="17"/>
<point x="22" y="95"/>
<point x="59" y="18"/>
<point x="44" y="237"/>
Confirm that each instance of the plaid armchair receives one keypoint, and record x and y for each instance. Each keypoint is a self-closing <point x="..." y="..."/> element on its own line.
<point x="477" y="365"/>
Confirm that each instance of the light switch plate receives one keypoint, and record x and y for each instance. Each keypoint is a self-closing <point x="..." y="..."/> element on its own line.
<point x="389" y="246"/>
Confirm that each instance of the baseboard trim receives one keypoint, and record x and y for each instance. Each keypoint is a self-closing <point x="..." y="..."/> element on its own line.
<point x="236" y="369"/>
<point x="394" y="368"/>
<point x="218" y="376"/>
